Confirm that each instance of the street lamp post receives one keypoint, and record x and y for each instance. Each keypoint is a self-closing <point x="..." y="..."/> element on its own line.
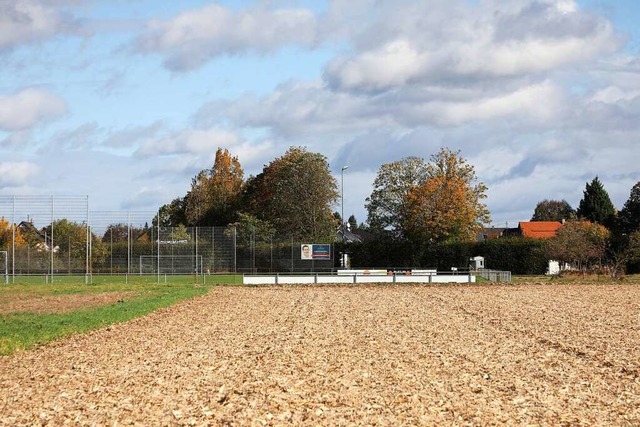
<point x="342" y="201"/>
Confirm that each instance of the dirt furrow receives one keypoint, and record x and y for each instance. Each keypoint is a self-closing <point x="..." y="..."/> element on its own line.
<point x="377" y="355"/>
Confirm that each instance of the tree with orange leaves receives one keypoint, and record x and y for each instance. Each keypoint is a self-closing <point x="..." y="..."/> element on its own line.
<point x="447" y="206"/>
<point x="214" y="195"/>
<point x="7" y="235"/>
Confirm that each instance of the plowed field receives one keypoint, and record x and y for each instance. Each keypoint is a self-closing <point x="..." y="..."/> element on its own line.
<point x="378" y="355"/>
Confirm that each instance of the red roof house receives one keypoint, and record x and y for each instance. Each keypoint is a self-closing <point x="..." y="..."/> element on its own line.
<point x="539" y="229"/>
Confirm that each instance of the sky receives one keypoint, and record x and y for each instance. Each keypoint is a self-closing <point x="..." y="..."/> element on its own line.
<point x="126" y="100"/>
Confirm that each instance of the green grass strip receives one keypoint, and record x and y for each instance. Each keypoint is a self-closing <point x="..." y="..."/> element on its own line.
<point x="21" y="331"/>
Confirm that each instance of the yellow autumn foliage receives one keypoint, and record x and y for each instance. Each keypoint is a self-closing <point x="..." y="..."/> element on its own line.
<point x="7" y="236"/>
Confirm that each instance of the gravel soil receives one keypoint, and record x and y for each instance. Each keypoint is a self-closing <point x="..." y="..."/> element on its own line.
<point x="58" y="303"/>
<point x="376" y="355"/>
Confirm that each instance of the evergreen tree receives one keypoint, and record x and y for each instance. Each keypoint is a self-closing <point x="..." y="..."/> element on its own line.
<point x="353" y="223"/>
<point x="629" y="216"/>
<point x="596" y="205"/>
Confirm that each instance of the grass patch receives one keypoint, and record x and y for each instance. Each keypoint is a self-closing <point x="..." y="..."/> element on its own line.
<point x="27" y="330"/>
<point x="125" y="279"/>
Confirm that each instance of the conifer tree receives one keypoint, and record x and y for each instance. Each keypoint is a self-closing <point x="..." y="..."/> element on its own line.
<point x="596" y="205"/>
<point x="629" y="216"/>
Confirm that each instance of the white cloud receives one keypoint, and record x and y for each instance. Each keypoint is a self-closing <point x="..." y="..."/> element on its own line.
<point x="28" y="108"/>
<point x="492" y="39"/>
<point x="190" y="141"/>
<point x="27" y="21"/>
<point x="535" y="103"/>
<point x="305" y="110"/>
<point x="132" y="136"/>
<point x="16" y="174"/>
<point x="394" y="64"/>
<point x="196" y="36"/>
<point x="613" y="94"/>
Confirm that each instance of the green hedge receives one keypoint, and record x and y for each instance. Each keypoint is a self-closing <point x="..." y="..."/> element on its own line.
<point x="518" y="255"/>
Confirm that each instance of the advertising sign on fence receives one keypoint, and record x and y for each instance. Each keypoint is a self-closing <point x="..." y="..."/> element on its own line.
<point x="315" y="251"/>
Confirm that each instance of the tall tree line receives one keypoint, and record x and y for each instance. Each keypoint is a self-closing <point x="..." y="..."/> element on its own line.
<point x="292" y="196"/>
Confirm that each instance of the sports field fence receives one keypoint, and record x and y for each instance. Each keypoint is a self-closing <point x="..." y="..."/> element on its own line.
<point x="60" y="236"/>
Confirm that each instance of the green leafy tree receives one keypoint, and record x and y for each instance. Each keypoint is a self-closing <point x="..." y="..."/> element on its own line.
<point x="579" y="243"/>
<point x="629" y="215"/>
<point x="214" y="195"/>
<point x="69" y="236"/>
<point x="295" y="193"/>
<point x="596" y="205"/>
<point x="553" y="210"/>
<point x="386" y="207"/>
<point x="249" y="225"/>
<point x="624" y="251"/>
<point x="121" y="233"/>
<point x="171" y="214"/>
<point x="70" y="244"/>
<point x="180" y="234"/>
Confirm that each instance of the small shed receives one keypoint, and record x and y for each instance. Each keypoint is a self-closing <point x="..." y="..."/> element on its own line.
<point x="477" y="263"/>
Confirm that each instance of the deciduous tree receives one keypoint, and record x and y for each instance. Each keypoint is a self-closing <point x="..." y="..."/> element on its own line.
<point x="447" y="206"/>
<point x="386" y="207"/>
<point x="8" y="237"/>
<point x="553" y="210"/>
<point x="172" y="214"/>
<point x="579" y="243"/>
<point x="248" y="226"/>
<point x="295" y="193"/>
<point x="215" y="192"/>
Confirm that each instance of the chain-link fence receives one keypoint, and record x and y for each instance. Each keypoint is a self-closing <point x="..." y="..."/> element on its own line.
<point x="45" y="234"/>
<point x="51" y="236"/>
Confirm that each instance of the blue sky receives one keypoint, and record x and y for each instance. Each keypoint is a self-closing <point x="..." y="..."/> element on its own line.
<point x="127" y="100"/>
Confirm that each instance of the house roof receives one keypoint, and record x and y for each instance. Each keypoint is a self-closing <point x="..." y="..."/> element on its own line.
<point x="490" y="233"/>
<point x="349" y="236"/>
<point x="539" y="229"/>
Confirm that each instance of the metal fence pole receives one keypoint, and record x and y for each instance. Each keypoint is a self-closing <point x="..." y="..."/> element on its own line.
<point x="235" y="249"/>
<point x="88" y="248"/>
<point x="158" y="236"/>
<point x="13" y="243"/>
<point x="52" y="242"/>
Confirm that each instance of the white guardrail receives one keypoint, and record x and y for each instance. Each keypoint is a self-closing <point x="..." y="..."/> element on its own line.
<point x="360" y="276"/>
